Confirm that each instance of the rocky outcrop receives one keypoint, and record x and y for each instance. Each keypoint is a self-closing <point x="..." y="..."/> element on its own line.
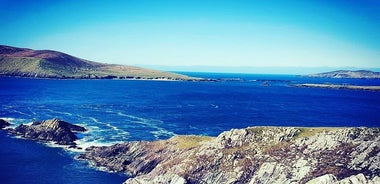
<point x="251" y="155"/>
<point x="4" y="124"/>
<point x="54" y="130"/>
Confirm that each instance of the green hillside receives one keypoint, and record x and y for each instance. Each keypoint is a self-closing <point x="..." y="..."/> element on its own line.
<point x="52" y="64"/>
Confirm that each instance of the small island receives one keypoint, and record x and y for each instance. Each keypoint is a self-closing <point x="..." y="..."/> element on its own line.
<point x="52" y="130"/>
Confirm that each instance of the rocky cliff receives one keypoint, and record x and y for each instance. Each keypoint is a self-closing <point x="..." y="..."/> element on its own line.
<point x="54" y="130"/>
<point x="251" y="155"/>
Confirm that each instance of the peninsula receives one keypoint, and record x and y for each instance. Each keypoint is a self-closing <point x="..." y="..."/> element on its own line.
<point x="250" y="155"/>
<point x="23" y="62"/>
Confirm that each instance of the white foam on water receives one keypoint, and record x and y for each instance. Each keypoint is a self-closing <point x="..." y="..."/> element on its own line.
<point x="94" y="120"/>
<point x="99" y="134"/>
<point x="159" y="132"/>
<point x="215" y="106"/>
<point x="112" y="127"/>
<point x="19" y="112"/>
<point x="162" y="133"/>
<point x="58" y="112"/>
<point x="82" y="143"/>
<point x="30" y="109"/>
<point x="16" y="121"/>
<point x="10" y="120"/>
<point x="52" y="144"/>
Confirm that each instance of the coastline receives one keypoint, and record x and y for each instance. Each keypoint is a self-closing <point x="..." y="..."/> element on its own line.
<point x="26" y="160"/>
<point x="337" y="86"/>
<point x="248" y="155"/>
<point x="195" y="79"/>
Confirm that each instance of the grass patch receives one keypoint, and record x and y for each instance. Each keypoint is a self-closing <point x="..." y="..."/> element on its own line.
<point x="308" y="132"/>
<point x="187" y="142"/>
<point x="258" y="131"/>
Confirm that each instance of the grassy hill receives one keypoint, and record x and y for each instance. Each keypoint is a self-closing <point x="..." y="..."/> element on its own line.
<point x="23" y="62"/>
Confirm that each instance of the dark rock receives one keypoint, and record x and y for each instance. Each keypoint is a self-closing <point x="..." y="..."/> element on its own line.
<point x="54" y="130"/>
<point x="3" y="124"/>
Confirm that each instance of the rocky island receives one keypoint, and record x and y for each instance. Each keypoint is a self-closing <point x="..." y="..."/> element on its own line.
<point x="358" y="74"/>
<point x="54" y="130"/>
<point x="250" y="155"/>
<point x="23" y="62"/>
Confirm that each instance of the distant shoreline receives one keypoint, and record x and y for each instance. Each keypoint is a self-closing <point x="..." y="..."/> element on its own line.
<point x="336" y="86"/>
<point x="105" y="78"/>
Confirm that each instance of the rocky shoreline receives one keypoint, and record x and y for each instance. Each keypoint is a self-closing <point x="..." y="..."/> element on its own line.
<point x="336" y="86"/>
<point x="249" y="155"/>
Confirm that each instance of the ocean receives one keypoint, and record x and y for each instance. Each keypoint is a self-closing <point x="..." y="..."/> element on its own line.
<point x="129" y="110"/>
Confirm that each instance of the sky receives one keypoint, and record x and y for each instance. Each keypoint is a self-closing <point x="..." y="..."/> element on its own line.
<point x="200" y="33"/>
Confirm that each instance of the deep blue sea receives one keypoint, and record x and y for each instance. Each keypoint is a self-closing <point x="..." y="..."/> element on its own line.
<point x="127" y="110"/>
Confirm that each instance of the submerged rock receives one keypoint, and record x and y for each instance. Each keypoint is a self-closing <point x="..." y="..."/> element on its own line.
<point x="4" y="124"/>
<point x="251" y="155"/>
<point x="54" y="130"/>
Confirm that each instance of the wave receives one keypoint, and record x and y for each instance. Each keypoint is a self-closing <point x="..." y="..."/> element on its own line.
<point x="19" y="112"/>
<point x="17" y="121"/>
<point x="30" y="109"/>
<point x="162" y="133"/>
<point x="83" y="144"/>
<point x="58" y="112"/>
<point x="151" y="123"/>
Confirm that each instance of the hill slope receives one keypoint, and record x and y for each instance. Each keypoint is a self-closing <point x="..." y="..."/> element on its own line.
<point x="348" y="74"/>
<point x="24" y="62"/>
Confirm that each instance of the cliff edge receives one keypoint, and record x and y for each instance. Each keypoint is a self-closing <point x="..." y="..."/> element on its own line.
<point x="250" y="155"/>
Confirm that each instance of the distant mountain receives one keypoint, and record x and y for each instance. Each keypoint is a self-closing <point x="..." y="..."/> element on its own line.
<point x="364" y="74"/>
<point x="23" y="62"/>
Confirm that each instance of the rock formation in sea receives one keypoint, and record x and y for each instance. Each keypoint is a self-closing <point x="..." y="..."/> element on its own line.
<point x="3" y="124"/>
<point x="54" y="130"/>
<point x="250" y="155"/>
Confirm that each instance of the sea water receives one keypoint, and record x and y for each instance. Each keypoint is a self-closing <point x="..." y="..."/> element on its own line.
<point x="127" y="110"/>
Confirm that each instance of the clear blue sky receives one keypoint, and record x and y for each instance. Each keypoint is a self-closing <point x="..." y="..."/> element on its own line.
<point x="268" y="33"/>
